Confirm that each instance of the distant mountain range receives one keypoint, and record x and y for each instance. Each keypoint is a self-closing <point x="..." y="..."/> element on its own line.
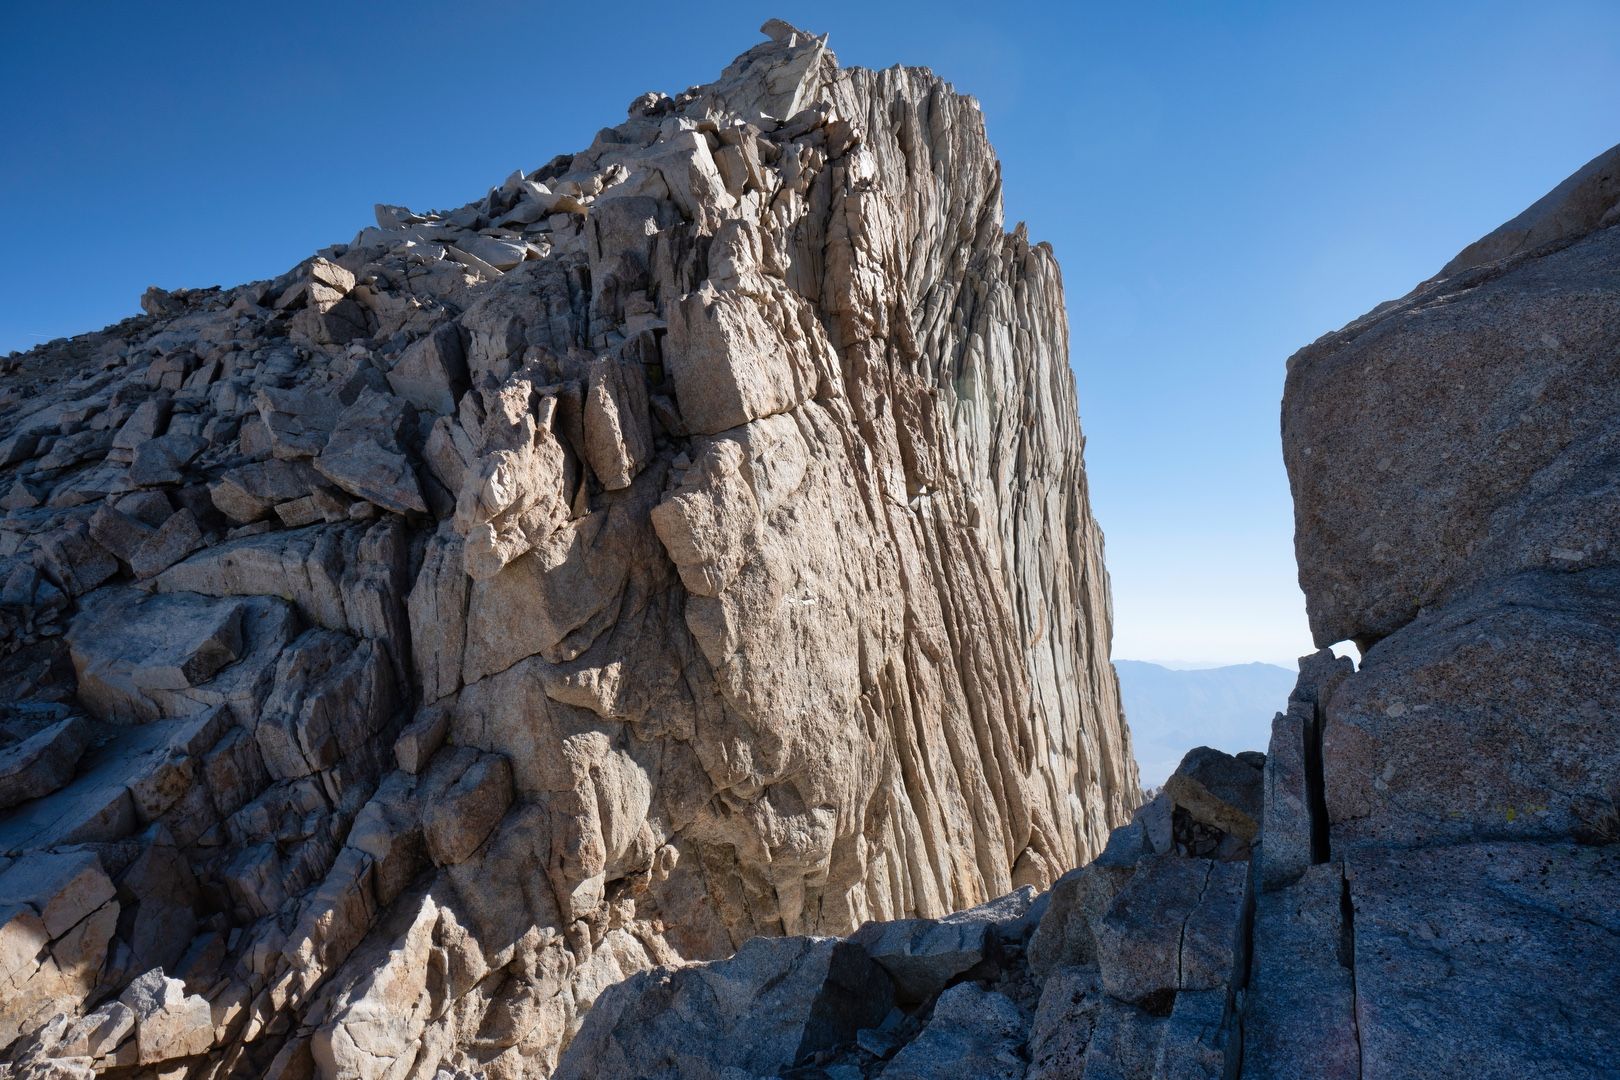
<point x="1172" y="710"/>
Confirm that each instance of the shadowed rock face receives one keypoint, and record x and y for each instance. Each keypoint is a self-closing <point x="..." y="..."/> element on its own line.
<point x="1434" y="884"/>
<point x="1467" y="431"/>
<point x="684" y="543"/>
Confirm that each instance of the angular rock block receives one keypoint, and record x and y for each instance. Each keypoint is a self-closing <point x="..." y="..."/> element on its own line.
<point x="1301" y="1020"/>
<point x="1178" y="925"/>
<point x="1420" y="747"/>
<point x="774" y="1002"/>
<point x="1484" y="443"/>
<point x="1218" y="790"/>
<point x="923" y="956"/>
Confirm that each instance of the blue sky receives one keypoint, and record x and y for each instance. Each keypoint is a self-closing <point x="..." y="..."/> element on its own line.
<point x="1223" y="183"/>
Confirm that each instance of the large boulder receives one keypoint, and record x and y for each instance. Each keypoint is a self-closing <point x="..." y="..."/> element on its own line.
<point x="1437" y="876"/>
<point x="1484" y="440"/>
<point x="772" y="1004"/>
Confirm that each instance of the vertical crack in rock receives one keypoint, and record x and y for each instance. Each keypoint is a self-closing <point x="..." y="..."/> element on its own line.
<point x="1347" y="957"/>
<point x="1315" y="785"/>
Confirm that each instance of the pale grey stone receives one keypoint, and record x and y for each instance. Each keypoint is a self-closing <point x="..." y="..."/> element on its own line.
<point x="365" y="455"/>
<point x="42" y="762"/>
<point x="755" y="1014"/>
<point x="973" y="1034"/>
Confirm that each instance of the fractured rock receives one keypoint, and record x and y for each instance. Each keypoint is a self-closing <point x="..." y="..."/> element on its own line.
<point x="774" y="1002"/>
<point x="162" y="643"/>
<point x="43" y="762"/>
<point x="748" y="586"/>
<point x="365" y="456"/>
<point x="1219" y="790"/>
<point x="461" y="816"/>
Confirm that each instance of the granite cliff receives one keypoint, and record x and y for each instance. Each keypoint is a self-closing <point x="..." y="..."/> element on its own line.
<point x="685" y="543"/>
<point x="1420" y="878"/>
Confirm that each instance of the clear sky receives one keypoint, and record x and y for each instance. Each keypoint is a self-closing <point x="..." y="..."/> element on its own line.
<point x="1223" y="182"/>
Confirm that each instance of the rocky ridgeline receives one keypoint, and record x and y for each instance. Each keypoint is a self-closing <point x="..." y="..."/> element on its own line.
<point x="686" y="542"/>
<point x="1421" y="878"/>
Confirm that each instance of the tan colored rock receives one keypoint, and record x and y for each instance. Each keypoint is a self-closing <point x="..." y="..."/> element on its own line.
<point x="57" y="918"/>
<point x="169" y="1023"/>
<point x="736" y="358"/>
<point x="461" y="815"/>
<point x="746" y="587"/>
<point x="618" y="438"/>
<point x="432" y="371"/>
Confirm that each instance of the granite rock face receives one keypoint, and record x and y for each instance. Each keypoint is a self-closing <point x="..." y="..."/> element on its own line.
<point x="686" y="542"/>
<point x="1460" y="792"/>
<point x="1483" y="441"/>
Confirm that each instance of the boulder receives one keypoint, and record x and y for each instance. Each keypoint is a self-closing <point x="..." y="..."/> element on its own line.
<point x="923" y="956"/>
<point x="75" y="562"/>
<point x="1419" y="747"/>
<point x="973" y="1034"/>
<point x="333" y="315"/>
<point x="365" y="455"/>
<point x="163" y="460"/>
<point x="298" y="421"/>
<point x="1485" y="441"/>
<point x="42" y="762"/>
<point x="461" y="816"/>
<point x="1218" y="790"/>
<point x="177" y="538"/>
<point x="431" y="373"/>
<point x="736" y="358"/>
<point x="169" y="1023"/>
<point x="130" y="648"/>
<point x="57" y="918"/>
<point x="248" y="493"/>
<point x="1178" y="925"/>
<point x="772" y="1004"/>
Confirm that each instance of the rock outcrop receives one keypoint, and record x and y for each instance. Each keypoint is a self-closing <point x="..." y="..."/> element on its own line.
<point x="1455" y="462"/>
<point x="1132" y="966"/>
<point x="1421" y="878"/>
<point x="687" y="542"/>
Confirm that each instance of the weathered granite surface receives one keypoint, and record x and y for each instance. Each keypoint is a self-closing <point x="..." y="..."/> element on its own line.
<point x="685" y="542"/>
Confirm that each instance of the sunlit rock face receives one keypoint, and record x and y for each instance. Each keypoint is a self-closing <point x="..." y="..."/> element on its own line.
<point x="686" y="542"/>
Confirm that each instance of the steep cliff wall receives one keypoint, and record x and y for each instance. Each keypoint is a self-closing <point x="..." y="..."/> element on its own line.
<point x="685" y="542"/>
<point x="1421" y="877"/>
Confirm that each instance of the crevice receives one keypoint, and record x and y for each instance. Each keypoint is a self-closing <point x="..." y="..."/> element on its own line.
<point x="1347" y="958"/>
<point x="1181" y="941"/>
<point x="1238" y="995"/>
<point x="1316" y="785"/>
